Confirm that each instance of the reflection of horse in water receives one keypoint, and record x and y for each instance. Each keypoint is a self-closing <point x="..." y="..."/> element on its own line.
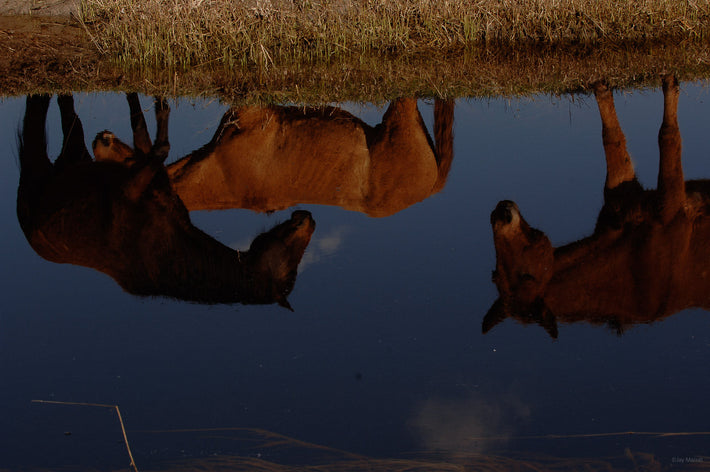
<point x="270" y="158"/>
<point x="647" y="259"/>
<point x="119" y="214"/>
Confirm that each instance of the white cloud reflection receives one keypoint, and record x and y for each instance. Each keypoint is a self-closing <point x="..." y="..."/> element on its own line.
<point x="241" y="244"/>
<point x="323" y="246"/>
<point x="468" y="425"/>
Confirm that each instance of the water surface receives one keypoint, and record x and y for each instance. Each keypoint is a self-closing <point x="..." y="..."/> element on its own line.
<point x="383" y="356"/>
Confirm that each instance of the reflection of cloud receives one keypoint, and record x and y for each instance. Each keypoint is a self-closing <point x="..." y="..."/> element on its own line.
<point x="323" y="246"/>
<point x="461" y="425"/>
<point x="330" y="243"/>
<point x="241" y="244"/>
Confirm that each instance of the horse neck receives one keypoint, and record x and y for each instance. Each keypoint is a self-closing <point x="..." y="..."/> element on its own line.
<point x="591" y="279"/>
<point x="201" y="269"/>
<point x="653" y="272"/>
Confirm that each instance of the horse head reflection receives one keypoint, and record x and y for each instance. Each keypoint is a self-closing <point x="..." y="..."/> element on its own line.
<point x="119" y="214"/>
<point x="271" y="158"/>
<point x="648" y="255"/>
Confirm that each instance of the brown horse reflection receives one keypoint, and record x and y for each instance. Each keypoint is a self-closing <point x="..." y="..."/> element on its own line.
<point x="270" y="158"/>
<point x="119" y="214"/>
<point x="647" y="259"/>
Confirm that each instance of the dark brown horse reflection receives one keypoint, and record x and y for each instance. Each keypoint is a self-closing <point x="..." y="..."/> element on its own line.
<point x="119" y="214"/>
<point x="271" y="158"/>
<point x="647" y="258"/>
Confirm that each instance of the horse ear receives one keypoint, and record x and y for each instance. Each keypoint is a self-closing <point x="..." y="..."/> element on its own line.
<point x="284" y="303"/>
<point x="497" y="313"/>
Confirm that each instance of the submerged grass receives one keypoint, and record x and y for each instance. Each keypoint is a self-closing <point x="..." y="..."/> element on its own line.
<point x="183" y="33"/>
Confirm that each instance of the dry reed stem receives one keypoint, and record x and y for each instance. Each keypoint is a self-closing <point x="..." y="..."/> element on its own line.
<point x="100" y="405"/>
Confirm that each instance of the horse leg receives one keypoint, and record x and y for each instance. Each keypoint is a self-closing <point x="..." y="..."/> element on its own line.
<point x="73" y="146"/>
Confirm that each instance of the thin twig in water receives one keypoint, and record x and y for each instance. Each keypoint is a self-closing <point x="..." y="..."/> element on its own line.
<point x="659" y="434"/>
<point x="101" y="405"/>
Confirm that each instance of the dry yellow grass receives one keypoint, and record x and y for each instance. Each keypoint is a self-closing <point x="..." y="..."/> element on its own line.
<point x="65" y="59"/>
<point x="493" y="72"/>
<point x="262" y="33"/>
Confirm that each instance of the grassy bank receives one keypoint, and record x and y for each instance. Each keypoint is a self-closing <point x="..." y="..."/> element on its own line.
<point x="264" y="33"/>
<point x="241" y="58"/>
<point x="488" y="73"/>
<point x="63" y="61"/>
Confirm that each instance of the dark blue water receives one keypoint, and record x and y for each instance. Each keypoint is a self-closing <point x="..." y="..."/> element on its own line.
<point x="384" y="355"/>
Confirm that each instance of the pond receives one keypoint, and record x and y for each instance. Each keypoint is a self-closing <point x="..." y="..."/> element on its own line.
<point x="375" y="356"/>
